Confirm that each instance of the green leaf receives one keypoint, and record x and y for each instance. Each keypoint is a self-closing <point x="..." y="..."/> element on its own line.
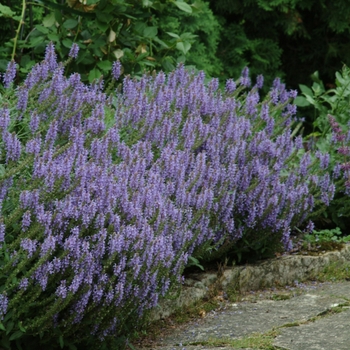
<point x="173" y="35"/>
<point x="61" y="341"/>
<point x="20" y="326"/>
<point x="102" y="26"/>
<point x="67" y="43"/>
<point x="150" y="32"/>
<point x="147" y="3"/>
<point x="104" y="16"/>
<point x="49" y="20"/>
<point x="105" y="65"/>
<point x="41" y="29"/>
<point x="183" y="6"/>
<point x="53" y="37"/>
<point x="16" y="335"/>
<point x="156" y="39"/>
<point x="70" y="23"/>
<point x="58" y="16"/>
<point x="2" y="327"/>
<point x="5" y="11"/>
<point x="9" y="327"/>
<point x="306" y="90"/>
<point x="94" y="74"/>
<point x="183" y="46"/>
<point x="301" y="101"/>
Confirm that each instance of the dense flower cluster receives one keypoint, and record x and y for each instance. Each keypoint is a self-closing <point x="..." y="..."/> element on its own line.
<point x="113" y="193"/>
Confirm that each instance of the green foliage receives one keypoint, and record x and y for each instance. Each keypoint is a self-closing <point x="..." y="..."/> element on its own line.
<point x="141" y="34"/>
<point x="333" y="235"/>
<point x="286" y="38"/>
<point x="335" y="102"/>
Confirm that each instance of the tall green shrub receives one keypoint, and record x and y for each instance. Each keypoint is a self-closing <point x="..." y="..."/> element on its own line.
<point x="142" y="34"/>
<point x="286" y="38"/>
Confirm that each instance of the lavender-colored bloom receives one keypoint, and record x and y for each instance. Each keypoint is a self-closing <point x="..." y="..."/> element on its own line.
<point x="23" y="284"/>
<point x="259" y="81"/>
<point x="34" y="122"/>
<point x="245" y="80"/>
<point x="2" y="233"/>
<point x="26" y="220"/>
<point x="29" y="245"/>
<point x="51" y="57"/>
<point x="61" y="290"/>
<point x="324" y="159"/>
<point x="10" y="74"/>
<point x="74" y="51"/>
<point x="34" y="146"/>
<point x="116" y="69"/>
<point x="4" y="118"/>
<point x="12" y="146"/>
<point x="3" y="305"/>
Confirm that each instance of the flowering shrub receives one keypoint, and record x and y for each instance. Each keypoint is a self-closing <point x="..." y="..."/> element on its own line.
<point x="105" y="196"/>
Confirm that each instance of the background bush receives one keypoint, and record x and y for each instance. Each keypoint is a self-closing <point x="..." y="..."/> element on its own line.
<point x="142" y="34"/>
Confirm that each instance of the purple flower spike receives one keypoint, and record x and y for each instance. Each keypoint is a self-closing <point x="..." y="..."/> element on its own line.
<point x="245" y="80"/>
<point x="51" y="57"/>
<point x="259" y="81"/>
<point x="74" y="51"/>
<point x="3" y="305"/>
<point x="10" y="74"/>
<point x="230" y="86"/>
<point x="116" y="70"/>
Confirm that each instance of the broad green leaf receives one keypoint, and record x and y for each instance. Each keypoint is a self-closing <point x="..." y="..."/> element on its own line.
<point x="147" y="3"/>
<point x="70" y="23"/>
<point x="58" y="16"/>
<point x="102" y="26"/>
<point x="340" y="79"/>
<point x="94" y="74"/>
<point x="49" y="20"/>
<point x="61" y="341"/>
<point x="306" y="90"/>
<point x="9" y="327"/>
<point x="105" y="65"/>
<point x="156" y="39"/>
<point x="183" y="46"/>
<point x="67" y="43"/>
<point x="53" y="37"/>
<point x="104" y="16"/>
<point x="2" y="327"/>
<point x="5" y="11"/>
<point x="301" y="101"/>
<point x="16" y="335"/>
<point x="41" y="29"/>
<point x="174" y="35"/>
<point x="311" y="100"/>
<point x="20" y="326"/>
<point x="183" y="6"/>
<point x="150" y="32"/>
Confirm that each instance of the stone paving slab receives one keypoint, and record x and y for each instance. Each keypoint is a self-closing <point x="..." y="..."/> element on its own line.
<point x="330" y="331"/>
<point x="242" y="319"/>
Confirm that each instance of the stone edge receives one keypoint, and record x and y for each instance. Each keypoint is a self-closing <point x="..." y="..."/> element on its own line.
<point x="282" y="271"/>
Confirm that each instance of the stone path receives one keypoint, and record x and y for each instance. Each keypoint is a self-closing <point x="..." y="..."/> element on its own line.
<point x="316" y="317"/>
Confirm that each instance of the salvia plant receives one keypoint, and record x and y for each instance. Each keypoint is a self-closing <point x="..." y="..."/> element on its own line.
<point x="106" y="193"/>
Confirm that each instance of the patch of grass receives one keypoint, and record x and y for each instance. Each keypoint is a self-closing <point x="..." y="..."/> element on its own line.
<point x="256" y="341"/>
<point x="336" y="271"/>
